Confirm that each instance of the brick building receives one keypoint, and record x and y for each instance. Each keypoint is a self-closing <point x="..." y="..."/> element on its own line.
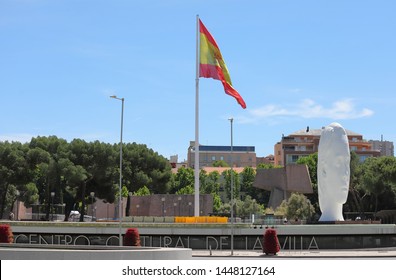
<point x="241" y="156"/>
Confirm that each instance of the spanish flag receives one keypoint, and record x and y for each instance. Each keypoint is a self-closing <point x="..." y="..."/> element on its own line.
<point x="212" y="65"/>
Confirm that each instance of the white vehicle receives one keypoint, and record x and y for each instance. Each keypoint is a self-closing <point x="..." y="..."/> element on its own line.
<point x="75" y="217"/>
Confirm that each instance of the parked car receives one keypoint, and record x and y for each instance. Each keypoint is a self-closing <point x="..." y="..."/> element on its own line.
<point x="74" y="216"/>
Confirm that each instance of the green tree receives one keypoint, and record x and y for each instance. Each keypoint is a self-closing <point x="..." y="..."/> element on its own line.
<point x="30" y="194"/>
<point x="268" y="166"/>
<point x="220" y="163"/>
<point x="50" y="180"/>
<point x="312" y="163"/>
<point x="379" y="180"/>
<point x="248" y="175"/>
<point x="356" y="193"/>
<point x="14" y="173"/>
<point x="143" y="191"/>
<point x="243" y="208"/>
<point x="74" y="177"/>
<point x="217" y="203"/>
<point x="144" y="167"/>
<point x="236" y="183"/>
<point x="186" y="190"/>
<point x="248" y="206"/>
<point x="183" y="178"/>
<point x="209" y="183"/>
<point x="297" y="206"/>
<point x="38" y="162"/>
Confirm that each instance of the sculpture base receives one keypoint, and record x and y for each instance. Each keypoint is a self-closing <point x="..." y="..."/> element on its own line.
<point x="358" y="222"/>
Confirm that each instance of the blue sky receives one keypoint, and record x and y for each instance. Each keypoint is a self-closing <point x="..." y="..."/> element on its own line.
<point x="295" y="63"/>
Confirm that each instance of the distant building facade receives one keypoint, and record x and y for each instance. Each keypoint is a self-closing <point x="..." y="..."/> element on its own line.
<point x="386" y="148"/>
<point x="241" y="156"/>
<point x="306" y="141"/>
<point x="265" y="160"/>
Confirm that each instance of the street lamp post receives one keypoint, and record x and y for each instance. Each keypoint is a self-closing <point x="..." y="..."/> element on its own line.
<point x="232" y="191"/>
<point x="107" y="212"/>
<point x="120" y="187"/>
<point x="39" y="205"/>
<point x="92" y="206"/>
<point x="179" y="199"/>
<point x="163" y="206"/>
<point x="52" y="205"/>
<point x="17" y="193"/>
<point x="129" y="208"/>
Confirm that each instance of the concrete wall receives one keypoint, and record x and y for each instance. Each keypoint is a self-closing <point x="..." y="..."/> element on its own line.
<point x="47" y="252"/>
<point x="200" y="236"/>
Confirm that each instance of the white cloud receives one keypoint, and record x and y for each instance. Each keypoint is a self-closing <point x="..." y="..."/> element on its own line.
<point x="307" y="109"/>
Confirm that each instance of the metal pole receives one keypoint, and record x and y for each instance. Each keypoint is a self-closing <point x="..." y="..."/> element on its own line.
<point x="232" y="191"/>
<point x="120" y="187"/>
<point x="196" y="152"/>
<point x="120" y="204"/>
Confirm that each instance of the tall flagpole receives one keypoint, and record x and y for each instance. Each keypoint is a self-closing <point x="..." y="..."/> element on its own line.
<point x="196" y="164"/>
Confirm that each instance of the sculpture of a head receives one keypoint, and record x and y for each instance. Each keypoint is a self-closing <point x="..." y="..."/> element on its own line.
<point x="333" y="172"/>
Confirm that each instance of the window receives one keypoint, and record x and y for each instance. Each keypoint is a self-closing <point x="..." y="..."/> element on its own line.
<point x="363" y="158"/>
<point x="213" y="158"/>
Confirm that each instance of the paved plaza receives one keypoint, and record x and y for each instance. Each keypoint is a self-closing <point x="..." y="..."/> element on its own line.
<point x="356" y="253"/>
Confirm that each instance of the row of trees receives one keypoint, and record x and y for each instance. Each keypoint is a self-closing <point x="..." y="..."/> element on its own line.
<point x="72" y="170"/>
<point x="30" y="172"/>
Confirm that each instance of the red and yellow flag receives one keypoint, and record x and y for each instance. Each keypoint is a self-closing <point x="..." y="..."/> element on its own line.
<point x="212" y="64"/>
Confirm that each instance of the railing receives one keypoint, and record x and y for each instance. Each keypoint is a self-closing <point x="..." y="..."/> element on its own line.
<point x="43" y="217"/>
<point x="176" y="219"/>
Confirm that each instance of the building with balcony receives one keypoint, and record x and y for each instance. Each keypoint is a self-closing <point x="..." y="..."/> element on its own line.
<point x="306" y="141"/>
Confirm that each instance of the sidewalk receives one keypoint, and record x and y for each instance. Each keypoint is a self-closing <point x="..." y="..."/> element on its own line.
<point x="353" y="253"/>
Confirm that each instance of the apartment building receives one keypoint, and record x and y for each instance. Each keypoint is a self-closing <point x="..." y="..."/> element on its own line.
<point x="386" y="148"/>
<point x="306" y="141"/>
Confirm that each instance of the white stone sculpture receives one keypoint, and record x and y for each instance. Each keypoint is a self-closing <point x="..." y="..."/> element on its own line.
<point x="333" y="172"/>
